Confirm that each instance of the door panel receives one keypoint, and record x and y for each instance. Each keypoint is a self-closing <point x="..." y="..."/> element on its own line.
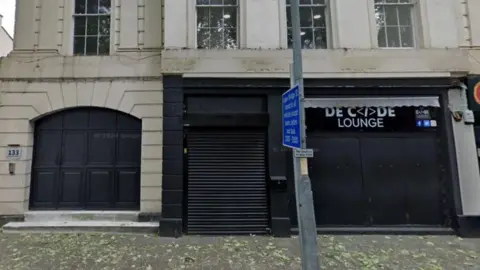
<point x="423" y="186"/>
<point x="101" y="147"/>
<point x="74" y="148"/>
<point x="337" y="181"/>
<point x="48" y="147"/>
<point x="384" y="176"/>
<point x="71" y="188"/>
<point x="99" y="188"/>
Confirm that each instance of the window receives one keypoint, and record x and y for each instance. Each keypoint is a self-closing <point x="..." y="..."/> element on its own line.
<point x="92" y="27"/>
<point x="394" y="23"/>
<point x="313" y="24"/>
<point x="217" y="23"/>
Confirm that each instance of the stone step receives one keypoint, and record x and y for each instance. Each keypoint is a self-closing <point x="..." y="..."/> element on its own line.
<point x="80" y="226"/>
<point x="40" y="216"/>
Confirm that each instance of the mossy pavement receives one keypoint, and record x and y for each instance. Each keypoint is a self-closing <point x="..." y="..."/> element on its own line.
<point x="123" y="251"/>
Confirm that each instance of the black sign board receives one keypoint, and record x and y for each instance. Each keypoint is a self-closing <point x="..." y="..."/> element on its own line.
<point x="473" y="92"/>
<point x="372" y="119"/>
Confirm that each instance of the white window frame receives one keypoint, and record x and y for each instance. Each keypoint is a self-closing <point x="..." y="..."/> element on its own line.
<point x="69" y="27"/>
<point x="416" y="26"/>
<point x="330" y="25"/>
<point x="192" y="24"/>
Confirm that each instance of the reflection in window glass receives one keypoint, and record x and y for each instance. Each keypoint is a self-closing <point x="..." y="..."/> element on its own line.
<point x="92" y="27"/>
<point x="217" y="22"/>
<point x="394" y="23"/>
<point x="313" y="24"/>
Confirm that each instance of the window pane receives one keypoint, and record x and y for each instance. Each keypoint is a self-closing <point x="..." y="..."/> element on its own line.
<point x="104" y="29"/>
<point x="79" y="28"/>
<point x="216" y="17"/>
<point x="405" y="15"/>
<point x="289" y="17"/>
<point x="307" y="38"/>
<point x="406" y="33"/>
<point x="306" y="19"/>
<point x="230" y="17"/>
<point x="203" y="38"/>
<point x="92" y="45"/>
<point x="216" y="2"/>
<point x="305" y="2"/>
<point x="105" y="6"/>
<point x="203" y="2"/>
<point x="92" y="6"/>
<point x="216" y="38"/>
<point x="380" y="16"/>
<point x="230" y="2"/>
<point x="202" y="17"/>
<point x="80" y="7"/>
<point x="230" y="38"/>
<point x="289" y="38"/>
<point x="320" y="38"/>
<point x="382" y="39"/>
<point x="104" y="46"/>
<point x="92" y="25"/>
<point x="78" y="45"/>
<point x="391" y="15"/>
<point x="393" y="37"/>
<point x="319" y="2"/>
<point x="319" y="19"/>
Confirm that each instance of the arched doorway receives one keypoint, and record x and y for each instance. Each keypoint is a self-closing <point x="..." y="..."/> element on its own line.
<point x="86" y="158"/>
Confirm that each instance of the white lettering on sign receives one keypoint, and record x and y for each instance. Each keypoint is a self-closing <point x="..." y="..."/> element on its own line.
<point x="360" y="122"/>
<point x="366" y="117"/>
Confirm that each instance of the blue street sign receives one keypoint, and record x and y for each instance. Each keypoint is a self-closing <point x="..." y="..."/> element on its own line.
<point x="291" y="118"/>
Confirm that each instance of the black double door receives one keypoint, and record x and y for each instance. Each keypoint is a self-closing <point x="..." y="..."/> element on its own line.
<point x="86" y="158"/>
<point x="376" y="181"/>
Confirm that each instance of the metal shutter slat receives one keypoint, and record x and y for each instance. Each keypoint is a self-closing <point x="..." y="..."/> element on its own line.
<point x="226" y="189"/>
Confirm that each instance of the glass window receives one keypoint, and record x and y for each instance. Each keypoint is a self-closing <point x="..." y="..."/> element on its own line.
<point x="217" y="24"/>
<point x="395" y="23"/>
<point x="313" y="24"/>
<point x="92" y="27"/>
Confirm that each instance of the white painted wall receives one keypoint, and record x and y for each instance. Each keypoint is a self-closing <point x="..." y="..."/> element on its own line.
<point x="6" y="41"/>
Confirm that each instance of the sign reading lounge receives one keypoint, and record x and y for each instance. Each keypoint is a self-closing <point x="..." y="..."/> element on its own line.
<point x="366" y="117"/>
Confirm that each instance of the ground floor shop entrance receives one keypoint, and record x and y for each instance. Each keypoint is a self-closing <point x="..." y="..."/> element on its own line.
<point x="363" y="180"/>
<point x="86" y="158"/>
<point x="377" y="166"/>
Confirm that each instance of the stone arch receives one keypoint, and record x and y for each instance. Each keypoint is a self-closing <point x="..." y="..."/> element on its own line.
<point x="23" y="103"/>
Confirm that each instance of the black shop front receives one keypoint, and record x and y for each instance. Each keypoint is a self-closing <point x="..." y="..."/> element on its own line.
<point x="382" y="157"/>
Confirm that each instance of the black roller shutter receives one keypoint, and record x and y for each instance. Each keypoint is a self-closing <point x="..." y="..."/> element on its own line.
<point x="226" y="191"/>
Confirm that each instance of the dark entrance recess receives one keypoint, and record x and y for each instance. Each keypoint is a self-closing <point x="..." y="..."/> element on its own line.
<point x="225" y="169"/>
<point x="86" y="158"/>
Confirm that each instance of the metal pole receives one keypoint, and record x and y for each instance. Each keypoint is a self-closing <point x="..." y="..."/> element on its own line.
<point x="303" y="191"/>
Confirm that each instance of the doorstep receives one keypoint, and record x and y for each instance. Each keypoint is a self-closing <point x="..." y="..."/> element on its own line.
<point x="81" y="226"/>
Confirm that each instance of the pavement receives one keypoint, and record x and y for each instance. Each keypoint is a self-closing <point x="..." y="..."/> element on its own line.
<point x="148" y="252"/>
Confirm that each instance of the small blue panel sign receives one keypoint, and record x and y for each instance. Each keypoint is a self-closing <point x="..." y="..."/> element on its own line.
<point x="291" y="118"/>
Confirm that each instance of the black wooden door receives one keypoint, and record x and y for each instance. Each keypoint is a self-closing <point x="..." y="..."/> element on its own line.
<point x="226" y="182"/>
<point x="86" y="158"/>
<point x="336" y="172"/>
<point x="359" y="180"/>
<point x="401" y="181"/>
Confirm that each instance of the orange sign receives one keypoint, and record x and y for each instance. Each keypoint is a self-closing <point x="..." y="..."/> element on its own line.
<point x="476" y="93"/>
